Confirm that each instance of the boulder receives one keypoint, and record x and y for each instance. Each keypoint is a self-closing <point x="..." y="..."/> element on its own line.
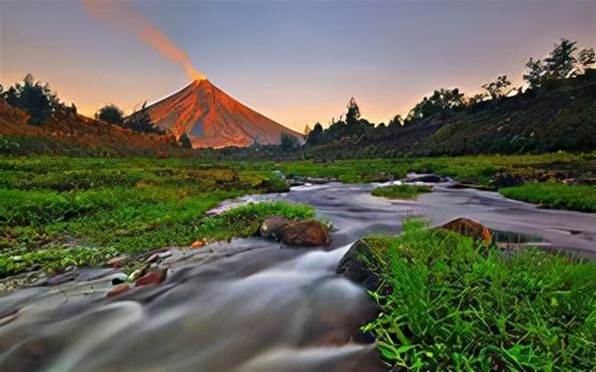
<point x="469" y="228"/>
<point x="306" y="234"/>
<point x="355" y="265"/>
<point x="273" y="227"/>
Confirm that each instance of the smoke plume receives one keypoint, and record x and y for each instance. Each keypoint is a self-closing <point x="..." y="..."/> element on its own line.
<point x="121" y="16"/>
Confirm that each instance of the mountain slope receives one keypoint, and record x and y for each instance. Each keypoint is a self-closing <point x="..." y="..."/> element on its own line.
<point x="75" y="134"/>
<point x="211" y="118"/>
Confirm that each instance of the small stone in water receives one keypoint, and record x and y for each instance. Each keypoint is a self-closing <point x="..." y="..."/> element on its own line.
<point x="151" y="278"/>
<point x="118" y="261"/>
<point x="118" y="290"/>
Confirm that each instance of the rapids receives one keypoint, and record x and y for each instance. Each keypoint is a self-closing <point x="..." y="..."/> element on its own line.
<point x="250" y="305"/>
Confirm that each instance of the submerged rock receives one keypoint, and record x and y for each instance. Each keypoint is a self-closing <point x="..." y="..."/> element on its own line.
<point x="273" y="227"/>
<point x="306" y="234"/>
<point x="118" y="290"/>
<point x="356" y="265"/>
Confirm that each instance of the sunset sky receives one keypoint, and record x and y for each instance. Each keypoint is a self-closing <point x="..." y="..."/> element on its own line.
<point x="296" y="62"/>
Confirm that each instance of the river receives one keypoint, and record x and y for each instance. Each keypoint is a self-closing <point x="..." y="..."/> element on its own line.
<point x="250" y="305"/>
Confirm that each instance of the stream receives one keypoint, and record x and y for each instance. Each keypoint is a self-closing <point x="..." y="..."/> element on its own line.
<point x="249" y="305"/>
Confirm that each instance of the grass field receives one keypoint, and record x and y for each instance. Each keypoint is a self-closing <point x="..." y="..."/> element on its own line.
<point x="57" y="212"/>
<point x="555" y="195"/>
<point x="401" y="191"/>
<point x="448" y="303"/>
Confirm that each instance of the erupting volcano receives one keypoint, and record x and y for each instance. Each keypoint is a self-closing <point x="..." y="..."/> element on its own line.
<point x="211" y="118"/>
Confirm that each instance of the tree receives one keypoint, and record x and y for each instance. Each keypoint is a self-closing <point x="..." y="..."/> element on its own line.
<point x="35" y="98"/>
<point x="353" y="113"/>
<point x="288" y="142"/>
<point x="587" y="58"/>
<point x="476" y="98"/>
<point x="306" y="130"/>
<point x="535" y="73"/>
<point x="185" y="141"/>
<point x="560" y="64"/>
<point x="140" y="121"/>
<point x="397" y="121"/>
<point x="441" y="102"/>
<point x="499" y="88"/>
<point x="315" y="136"/>
<point x="110" y="114"/>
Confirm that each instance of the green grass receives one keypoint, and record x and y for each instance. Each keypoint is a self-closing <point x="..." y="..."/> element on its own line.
<point x="401" y="191"/>
<point x="56" y="211"/>
<point x="448" y="303"/>
<point x="555" y="195"/>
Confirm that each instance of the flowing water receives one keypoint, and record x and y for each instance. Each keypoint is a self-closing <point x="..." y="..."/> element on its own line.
<point x="249" y="305"/>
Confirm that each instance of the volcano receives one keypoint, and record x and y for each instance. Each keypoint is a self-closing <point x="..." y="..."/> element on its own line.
<point x="211" y="118"/>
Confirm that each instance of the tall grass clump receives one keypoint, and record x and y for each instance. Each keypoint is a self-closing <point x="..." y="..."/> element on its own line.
<point x="448" y="303"/>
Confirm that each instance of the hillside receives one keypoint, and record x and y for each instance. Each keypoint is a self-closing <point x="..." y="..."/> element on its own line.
<point x="547" y="121"/>
<point x="211" y="118"/>
<point x="73" y="134"/>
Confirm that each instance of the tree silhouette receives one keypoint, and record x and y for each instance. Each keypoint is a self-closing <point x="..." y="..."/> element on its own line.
<point x="499" y="88"/>
<point x="587" y="58"/>
<point x="535" y="73"/>
<point x="560" y="63"/>
<point x="35" y="98"/>
<point x="110" y="114"/>
<point x="288" y="142"/>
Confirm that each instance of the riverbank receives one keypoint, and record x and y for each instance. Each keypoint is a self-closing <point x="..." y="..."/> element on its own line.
<point x="447" y="301"/>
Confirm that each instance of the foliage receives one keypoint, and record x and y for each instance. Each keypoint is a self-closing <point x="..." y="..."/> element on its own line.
<point x="441" y="102"/>
<point x="587" y="58"/>
<point x="288" y="142"/>
<point x="560" y="64"/>
<point x="110" y="114"/>
<point x="499" y="88"/>
<point x="140" y="121"/>
<point x="555" y="195"/>
<point x="401" y="191"/>
<point x="448" y="303"/>
<point x="35" y="98"/>
<point x="184" y="141"/>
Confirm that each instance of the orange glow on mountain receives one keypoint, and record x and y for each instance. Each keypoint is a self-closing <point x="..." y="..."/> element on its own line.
<point x="126" y="19"/>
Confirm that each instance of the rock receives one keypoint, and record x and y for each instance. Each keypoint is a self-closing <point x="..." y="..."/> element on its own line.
<point x="153" y="277"/>
<point x="198" y="244"/>
<point x="506" y="180"/>
<point x="118" y="290"/>
<point x="306" y="234"/>
<point x="136" y="274"/>
<point x="352" y="265"/>
<point x="118" y="261"/>
<point x="426" y="178"/>
<point x="273" y="227"/>
<point x="469" y="228"/>
<point x="157" y="256"/>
